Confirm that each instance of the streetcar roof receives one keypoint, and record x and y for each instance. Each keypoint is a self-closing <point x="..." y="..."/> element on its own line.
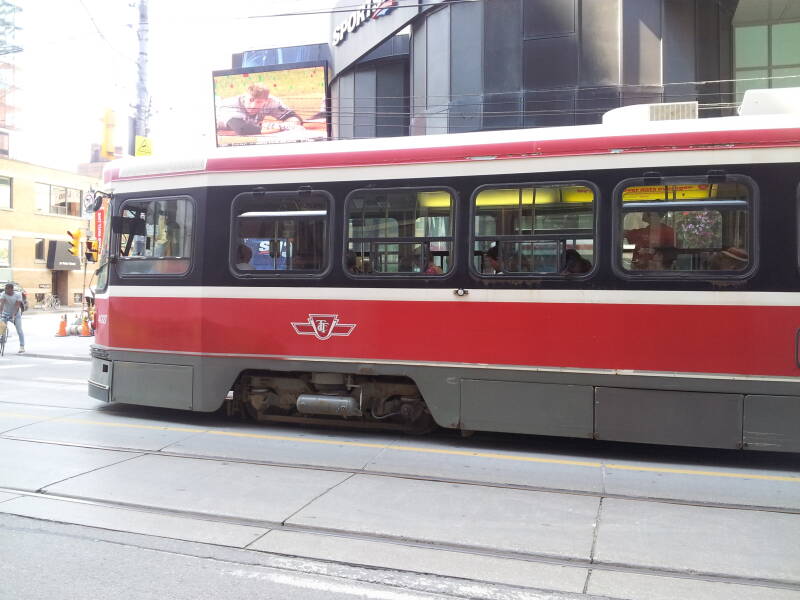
<point x="583" y="147"/>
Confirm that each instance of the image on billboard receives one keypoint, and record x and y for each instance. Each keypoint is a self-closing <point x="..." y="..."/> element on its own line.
<point x="260" y="106"/>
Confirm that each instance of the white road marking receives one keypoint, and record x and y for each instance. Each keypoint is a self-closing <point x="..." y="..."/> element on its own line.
<point x="61" y="380"/>
<point x="311" y="583"/>
<point x="63" y="361"/>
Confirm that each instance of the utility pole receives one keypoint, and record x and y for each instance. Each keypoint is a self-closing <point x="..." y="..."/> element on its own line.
<point x="142" y="127"/>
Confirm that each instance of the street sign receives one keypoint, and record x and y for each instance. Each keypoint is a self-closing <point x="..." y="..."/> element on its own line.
<point x="143" y="146"/>
<point x="99" y="226"/>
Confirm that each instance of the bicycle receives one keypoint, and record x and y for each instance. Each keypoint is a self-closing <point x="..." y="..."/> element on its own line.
<point x="51" y="302"/>
<point x="5" y="318"/>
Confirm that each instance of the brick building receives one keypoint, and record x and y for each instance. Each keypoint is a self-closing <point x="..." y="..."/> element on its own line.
<point x="38" y="205"/>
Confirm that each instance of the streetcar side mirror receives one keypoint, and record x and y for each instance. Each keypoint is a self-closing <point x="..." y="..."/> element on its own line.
<point x="128" y="226"/>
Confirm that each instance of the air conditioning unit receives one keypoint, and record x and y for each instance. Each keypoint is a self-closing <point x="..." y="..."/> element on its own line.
<point x="671" y="111"/>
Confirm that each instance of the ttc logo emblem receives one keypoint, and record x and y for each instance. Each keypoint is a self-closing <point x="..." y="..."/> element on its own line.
<point x="323" y="327"/>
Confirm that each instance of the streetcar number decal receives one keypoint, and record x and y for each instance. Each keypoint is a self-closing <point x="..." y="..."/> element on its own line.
<point x="323" y="327"/>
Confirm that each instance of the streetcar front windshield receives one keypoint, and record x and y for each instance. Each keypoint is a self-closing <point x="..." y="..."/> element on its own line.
<point x="155" y="236"/>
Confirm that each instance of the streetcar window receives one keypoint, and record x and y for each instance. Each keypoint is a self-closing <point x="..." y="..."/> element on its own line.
<point x="280" y="233"/>
<point x="534" y="230"/>
<point x="687" y="226"/>
<point x="399" y="231"/>
<point x="155" y="236"/>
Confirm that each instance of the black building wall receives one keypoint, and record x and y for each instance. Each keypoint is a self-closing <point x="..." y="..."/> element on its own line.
<point x="501" y="64"/>
<point x="371" y="98"/>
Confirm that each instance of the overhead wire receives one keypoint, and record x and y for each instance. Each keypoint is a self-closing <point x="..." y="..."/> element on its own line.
<point x="354" y="7"/>
<point x="102" y="35"/>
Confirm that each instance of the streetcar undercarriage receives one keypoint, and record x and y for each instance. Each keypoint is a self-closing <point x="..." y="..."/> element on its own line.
<point x="384" y="402"/>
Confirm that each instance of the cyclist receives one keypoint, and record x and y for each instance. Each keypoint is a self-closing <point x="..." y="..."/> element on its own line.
<point x="11" y="310"/>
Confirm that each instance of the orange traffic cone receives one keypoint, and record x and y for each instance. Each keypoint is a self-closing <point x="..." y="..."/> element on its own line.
<point x="85" y="328"/>
<point x="62" y="327"/>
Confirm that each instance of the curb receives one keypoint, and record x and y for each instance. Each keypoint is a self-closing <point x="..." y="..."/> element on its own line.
<point x="59" y="356"/>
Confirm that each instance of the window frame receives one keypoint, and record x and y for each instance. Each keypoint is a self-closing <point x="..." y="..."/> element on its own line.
<point x="44" y="248"/>
<point x="10" y="193"/>
<point x="532" y="276"/>
<point x="769" y="67"/>
<point x="10" y="241"/>
<point x="618" y="237"/>
<point x="421" y="276"/>
<point x="115" y="240"/>
<point x="49" y="211"/>
<point x="328" y="246"/>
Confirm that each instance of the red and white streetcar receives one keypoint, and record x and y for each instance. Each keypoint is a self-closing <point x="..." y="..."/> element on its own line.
<point x="636" y="280"/>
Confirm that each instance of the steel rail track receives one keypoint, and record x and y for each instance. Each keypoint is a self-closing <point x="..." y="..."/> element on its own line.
<point x="415" y="477"/>
<point x="406" y="542"/>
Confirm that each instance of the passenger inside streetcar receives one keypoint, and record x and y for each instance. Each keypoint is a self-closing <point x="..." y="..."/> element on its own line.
<point x="654" y="244"/>
<point x="493" y="260"/>
<point x="574" y="263"/>
<point x="243" y="256"/>
<point x="350" y="262"/>
<point x="731" y="259"/>
<point x="429" y="266"/>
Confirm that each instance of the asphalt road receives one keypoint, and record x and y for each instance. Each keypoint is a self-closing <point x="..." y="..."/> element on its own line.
<point x="147" y="501"/>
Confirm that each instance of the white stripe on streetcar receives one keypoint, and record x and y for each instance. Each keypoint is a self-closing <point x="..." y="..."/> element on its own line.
<point x="632" y="297"/>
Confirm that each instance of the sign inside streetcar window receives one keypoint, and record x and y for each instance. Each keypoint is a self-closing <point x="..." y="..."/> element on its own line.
<point x="258" y="106"/>
<point x="698" y="191"/>
<point x="267" y="254"/>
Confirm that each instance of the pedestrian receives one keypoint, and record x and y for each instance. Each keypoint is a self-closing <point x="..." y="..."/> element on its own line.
<point x="11" y="309"/>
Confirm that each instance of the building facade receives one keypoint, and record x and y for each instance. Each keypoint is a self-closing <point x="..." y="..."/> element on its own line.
<point x="38" y="206"/>
<point x="407" y="67"/>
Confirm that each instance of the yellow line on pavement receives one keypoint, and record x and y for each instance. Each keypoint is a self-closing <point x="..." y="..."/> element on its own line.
<point x="733" y="475"/>
<point x="129" y="425"/>
<point x="422" y="450"/>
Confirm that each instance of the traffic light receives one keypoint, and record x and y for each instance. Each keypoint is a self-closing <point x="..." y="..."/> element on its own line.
<point x="91" y="251"/>
<point x="74" y="242"/>
<point x="107" y="150"/>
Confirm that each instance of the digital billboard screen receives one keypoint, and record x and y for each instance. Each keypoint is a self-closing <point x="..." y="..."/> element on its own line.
<point x="264" y="106"/>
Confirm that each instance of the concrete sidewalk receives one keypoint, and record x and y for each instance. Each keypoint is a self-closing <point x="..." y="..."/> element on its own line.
<point x="40" y="330"/>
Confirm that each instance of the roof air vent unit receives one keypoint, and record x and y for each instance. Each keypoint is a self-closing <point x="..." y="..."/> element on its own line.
<point x="673" y="111"/>
<point x="651" y="112"/>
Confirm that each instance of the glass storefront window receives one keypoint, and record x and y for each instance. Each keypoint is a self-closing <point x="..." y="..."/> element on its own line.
<point x="792" y="81"/>
<point x="786" y="44"/>
<point x="767" y="56"/>
<point x="751" y="79"/>
<point x="751" y="46"/>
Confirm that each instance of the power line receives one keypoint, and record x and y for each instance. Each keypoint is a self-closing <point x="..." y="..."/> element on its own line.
<point x="349" y="9"/>
<point x="101" y="34"/>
